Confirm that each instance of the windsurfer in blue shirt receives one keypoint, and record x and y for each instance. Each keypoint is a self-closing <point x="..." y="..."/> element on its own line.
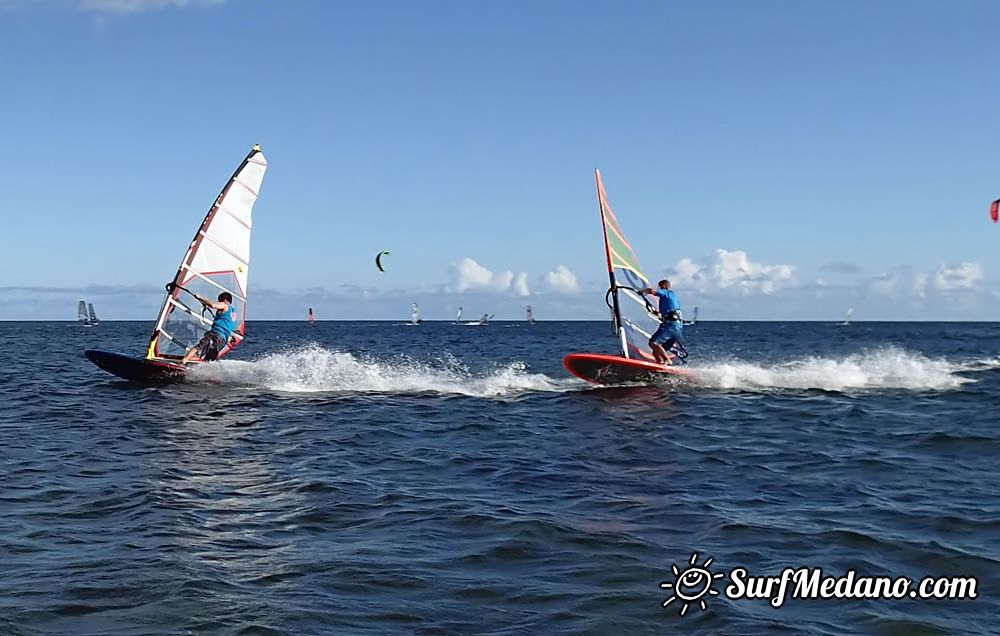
<point x="223" y="326"/>
<point x="671" y="323"/>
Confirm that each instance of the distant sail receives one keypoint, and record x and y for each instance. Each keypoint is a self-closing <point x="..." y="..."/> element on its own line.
<point x="531" y="316"/>
<point x="415" y="315"/>
<point x="850" y="312"/>
<point x="217" y="260"/>
<point x="632" y="315"/>
<point x="694" y="317"/>
<point x="311" y="317"/>
<point x="995" y="211"/>
<point x="458" y="318"/>
<point x="81" y="312"/>
<point x="92" y="314"/>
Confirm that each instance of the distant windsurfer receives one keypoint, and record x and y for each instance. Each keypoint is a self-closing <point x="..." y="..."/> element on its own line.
<point x="217" y="336"/>
<point x="669" y="332"/>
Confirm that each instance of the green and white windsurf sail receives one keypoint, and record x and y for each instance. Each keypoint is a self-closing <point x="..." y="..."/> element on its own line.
<point x="217" y="260"/>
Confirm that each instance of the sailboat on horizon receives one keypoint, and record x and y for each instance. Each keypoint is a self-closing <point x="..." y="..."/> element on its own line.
<point x="86" y="315"/>
<point x="81" y="313"/>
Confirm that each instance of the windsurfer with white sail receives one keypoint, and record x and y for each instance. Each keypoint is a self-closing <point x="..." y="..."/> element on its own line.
<point x="670" y="330"/>
<point x="215" y="339"/>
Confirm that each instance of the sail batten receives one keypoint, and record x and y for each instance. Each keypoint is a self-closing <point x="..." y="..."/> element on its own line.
<point x="233" y="216"/>
<point x="243" y="260"/>
<point x="206" y="279"/>
<point x="188" y="310"/>
<point x="216" y="260"/>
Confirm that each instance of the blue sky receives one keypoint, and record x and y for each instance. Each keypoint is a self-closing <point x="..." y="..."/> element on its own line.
<point x="777" y="159"/>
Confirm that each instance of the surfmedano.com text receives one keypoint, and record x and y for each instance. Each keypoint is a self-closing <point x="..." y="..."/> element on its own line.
<point x="811" y="583"/>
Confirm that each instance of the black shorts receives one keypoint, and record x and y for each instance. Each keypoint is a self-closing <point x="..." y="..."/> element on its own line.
<point x="209" y="345"/>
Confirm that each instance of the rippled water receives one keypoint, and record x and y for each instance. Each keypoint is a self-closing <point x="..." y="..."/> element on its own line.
<point x="440" y="479"/>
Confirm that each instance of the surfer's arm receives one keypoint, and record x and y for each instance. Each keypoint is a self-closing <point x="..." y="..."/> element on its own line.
<point x="210" y="303"/>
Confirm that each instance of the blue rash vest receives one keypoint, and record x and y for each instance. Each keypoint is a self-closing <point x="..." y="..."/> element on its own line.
<point x="668" y="301"/>
<point x="225" y="322"/>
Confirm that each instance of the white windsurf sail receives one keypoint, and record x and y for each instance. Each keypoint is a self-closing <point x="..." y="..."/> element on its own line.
<point x="217" y="260"/>
<point x="458" y="318"/>
<point x="694" y="317"/>
<point x="850" y="312"/>
<point x="415" y="315"/>
<point x="92" y="315"/>
<point x="81" y="312"/>
<point x="531" y="316"/>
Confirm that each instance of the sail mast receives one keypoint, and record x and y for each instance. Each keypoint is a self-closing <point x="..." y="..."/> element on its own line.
<point x="616" y="316"/>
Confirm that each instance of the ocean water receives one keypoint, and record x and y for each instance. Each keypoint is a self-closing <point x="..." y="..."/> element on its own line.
<point x="379" y="478"/>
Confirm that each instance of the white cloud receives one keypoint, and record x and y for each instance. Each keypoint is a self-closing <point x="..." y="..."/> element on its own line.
<point x="501" y="280"/>
<point x="885" y="284"/>
<point x="562" y="280"/>
<point x="731" y="271"/>
<point x="920" y="285"/>
<point x="468" y="275"/>
<point x="107" y="7"/>
<point x="521" y="285"/>
<point x="122" y="7"/>
<point x="961" y="276"/>
<point x="905" y="282"/>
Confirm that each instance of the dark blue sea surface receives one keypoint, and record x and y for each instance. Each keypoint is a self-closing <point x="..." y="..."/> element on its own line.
<point x="379" y="478"/>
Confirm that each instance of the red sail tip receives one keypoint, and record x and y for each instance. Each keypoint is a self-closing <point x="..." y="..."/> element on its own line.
<point x="995" y="211"/>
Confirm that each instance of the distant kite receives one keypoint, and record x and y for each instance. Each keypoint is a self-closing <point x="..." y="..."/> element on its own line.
<point x="995" y="211"/>
<point x="378" y="260"/>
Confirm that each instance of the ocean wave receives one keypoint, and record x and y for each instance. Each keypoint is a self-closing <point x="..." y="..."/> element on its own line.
<point x="314" y="369"/>
<point x="883" y="368"/>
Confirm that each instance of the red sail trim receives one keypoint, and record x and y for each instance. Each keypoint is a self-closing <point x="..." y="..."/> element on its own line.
<point x="995" y="211"/>
<point x="608" y="215"/>
<point x="600" y="204"/>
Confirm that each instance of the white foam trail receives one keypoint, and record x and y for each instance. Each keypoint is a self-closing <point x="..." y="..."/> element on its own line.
<point x="983" y="364"/>
<point x="888" y="368"/>
<point x="314" y="369"/>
